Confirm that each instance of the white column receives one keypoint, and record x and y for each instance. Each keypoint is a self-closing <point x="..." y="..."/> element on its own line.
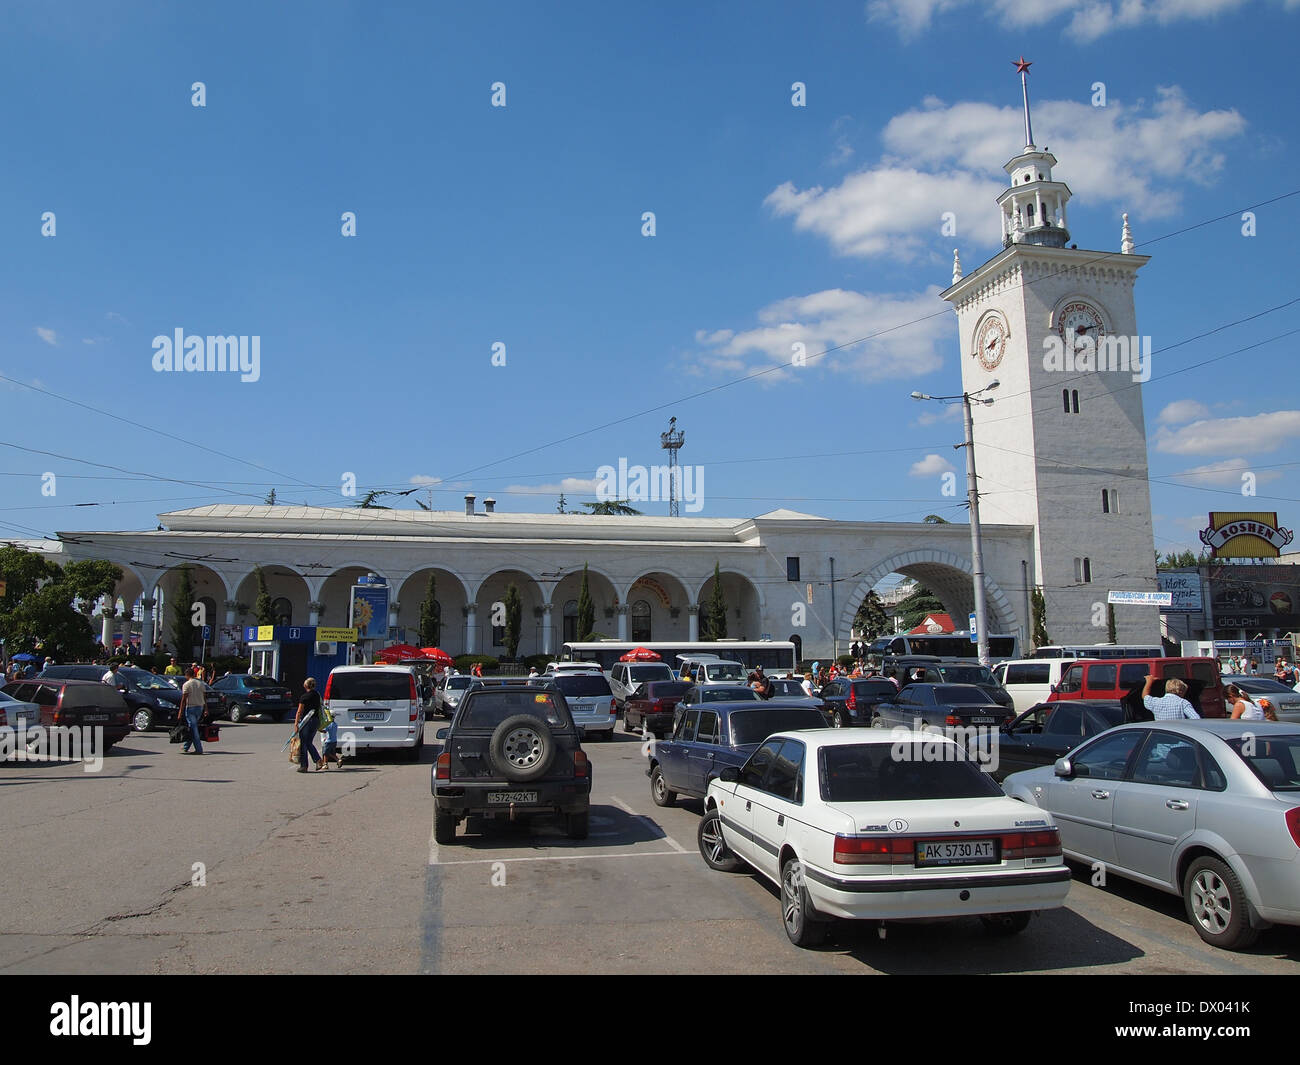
<point x="621" y="610"/>
<point x="1038" y="199"/>
<point x="230" y="605"/>
<point x="693" y="614"/>
<point x="106" y="629"/>
<point x="146" y="630"/>
<point x="393" y="607"/>
<point x="471" y="628"/>
<point x="547" y="649"/>
<point x="314" y="611"/>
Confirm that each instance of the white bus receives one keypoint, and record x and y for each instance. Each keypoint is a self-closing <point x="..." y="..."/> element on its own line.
<point x="775" y="656"/>
<point x="1100" y="650"/>
<point x="943" y="644"/>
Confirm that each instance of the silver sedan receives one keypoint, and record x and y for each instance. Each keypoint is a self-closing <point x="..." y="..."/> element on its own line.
<point x="1285" y="701"/>
<point x="1207" y="809"/>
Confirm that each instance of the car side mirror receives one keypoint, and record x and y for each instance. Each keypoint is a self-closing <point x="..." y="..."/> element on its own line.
<point x="442" y="733"/>
<point x="730" y="775"/>
<point x="1055" y="688"/>
<point x="1064" y="768"/>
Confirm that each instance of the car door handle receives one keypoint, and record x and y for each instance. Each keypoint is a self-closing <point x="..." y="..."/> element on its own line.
<point x="748" y="804"/>
<point x="1099" y="794"/>
<point x="1177" y="804"/>
<point x="780" y="820"/>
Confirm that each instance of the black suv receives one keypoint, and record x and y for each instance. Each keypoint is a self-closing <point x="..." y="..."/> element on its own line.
<point x="512" y="750"/>
<point x="153" y="700"/>
<point x="931" y="669"/>
<point x="852" y="700"/>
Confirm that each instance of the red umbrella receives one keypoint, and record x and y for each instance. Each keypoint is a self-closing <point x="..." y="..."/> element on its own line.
<point x="399" y="652"/>
<point x="437" y="654"/>
<point x="640" y="654"/>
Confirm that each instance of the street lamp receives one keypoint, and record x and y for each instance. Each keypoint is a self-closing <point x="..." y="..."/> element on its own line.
<point x="972" y="496"/>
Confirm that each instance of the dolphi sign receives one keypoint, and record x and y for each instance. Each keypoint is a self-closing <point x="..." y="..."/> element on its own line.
<point x="1245" y="534"/>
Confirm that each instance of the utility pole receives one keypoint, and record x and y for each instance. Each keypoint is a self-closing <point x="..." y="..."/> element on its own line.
<point x="671" y="442"/>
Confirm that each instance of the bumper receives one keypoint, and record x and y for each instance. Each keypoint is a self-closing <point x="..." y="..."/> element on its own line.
<point x="659" y="722"/>
<point x="959" y="894"/>
<point x="380" y="737"/>
<point x="461" y="799"/>
<point x="604" y="723"/>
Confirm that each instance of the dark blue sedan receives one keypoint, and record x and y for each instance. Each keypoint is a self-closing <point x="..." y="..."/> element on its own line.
<point x="709" y="737"/>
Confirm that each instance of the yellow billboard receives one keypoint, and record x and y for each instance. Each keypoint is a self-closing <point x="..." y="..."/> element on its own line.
<point x="1245" y="534"/>
<point x="336" y="635"/>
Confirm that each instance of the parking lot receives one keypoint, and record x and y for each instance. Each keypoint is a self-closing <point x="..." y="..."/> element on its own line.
<point x="234" y="863"/>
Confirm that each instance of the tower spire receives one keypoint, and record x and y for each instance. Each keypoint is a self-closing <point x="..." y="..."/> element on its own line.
<point x="1023" y="65"/>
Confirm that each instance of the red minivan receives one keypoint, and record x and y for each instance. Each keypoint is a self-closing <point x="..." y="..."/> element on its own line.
<point x="1115" y="678"/>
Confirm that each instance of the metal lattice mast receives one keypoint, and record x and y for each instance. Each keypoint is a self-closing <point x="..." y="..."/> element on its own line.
<point x="670" y="442"/>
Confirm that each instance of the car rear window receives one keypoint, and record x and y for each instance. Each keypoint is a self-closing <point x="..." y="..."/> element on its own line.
<point x="458" y="683"/>
<point x="486" y="709"/>
<point x="380" y="686"/>
<point x="714" y="695"/>
<point x="581" y="687"/>
<point x="754" y="726"/>
<point x="874" y="687"/>
<point x="1274" y="759"/>
<point x="869" y="772"/>
<point x="955" y="694"/>
<point x="966" y="675"/>
<point x="637" y="674"/>
<point x="88" y="696"/>
<point x="666" y="689"/>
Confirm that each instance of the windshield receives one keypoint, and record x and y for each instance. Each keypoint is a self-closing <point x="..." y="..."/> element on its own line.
<point x="1254" y="685"/>
<point x="869" y="772"/>
<point x="581" y="687"/>
<point x="1275" y="760"/>
<point x="754" y="726"/>
<point x="147" y="681"/>
<point x="658" y="671"/>
<point x="458" y="683"/>
<point x="724" y="671"/>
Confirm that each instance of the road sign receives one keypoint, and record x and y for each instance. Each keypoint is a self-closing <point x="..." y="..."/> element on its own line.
<point x="974" y="635"/>
<point x="207" y="632"/>
<point x="1140" y="598"/>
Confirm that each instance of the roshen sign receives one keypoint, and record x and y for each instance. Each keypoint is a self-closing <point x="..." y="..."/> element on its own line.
<point x="1245" y="534"/>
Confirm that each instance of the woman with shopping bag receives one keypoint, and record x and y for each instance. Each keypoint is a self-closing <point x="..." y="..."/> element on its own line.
<point x="306" y="723"/>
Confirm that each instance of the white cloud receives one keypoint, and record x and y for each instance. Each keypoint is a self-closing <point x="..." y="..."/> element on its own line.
<point x="1182" y="410"/>
<point x="836" y="318"/>
<point x="48" y="335"/>
<point x="931" y="466"/>
<point x="425" y="479"/>
<point x="1262" y="432"/>
<point x="1225" y="473"/>
<point x="1089" y="19"/>
<point x="569" y="485"/>
<point x="934" y="414"/>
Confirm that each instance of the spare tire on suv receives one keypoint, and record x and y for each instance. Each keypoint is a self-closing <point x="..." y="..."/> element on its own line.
<point x="522" y="748"/>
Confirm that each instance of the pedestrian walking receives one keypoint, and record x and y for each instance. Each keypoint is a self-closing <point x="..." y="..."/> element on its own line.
<point x="194" y="700"/>
<point x="173" y="670"/>
<point x="1172" y="706"/>
<point x="330" y="751"/>
<point x="1244" y="708"/>
<point x="306" y="723"/>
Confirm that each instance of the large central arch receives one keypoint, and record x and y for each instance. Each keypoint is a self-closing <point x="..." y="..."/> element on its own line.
<point x="950" y="577"/>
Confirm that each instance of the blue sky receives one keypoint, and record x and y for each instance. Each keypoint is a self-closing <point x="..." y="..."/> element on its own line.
<point x="523" y="225"/>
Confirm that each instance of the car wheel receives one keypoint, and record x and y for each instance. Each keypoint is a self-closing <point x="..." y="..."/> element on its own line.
<point x="878" y="722"/>
<point x="1216" y="905"/>
<point x="1006" y="924"/>
<point x="522" y="748"/>
<point x="801" y="927"/>
<point x="142" y="719"/>
<point x="627" y="725"/>
<point x="713" y="848"/>
<point x="575" y="825"/>
<point x="659" y="790"/>
<point x="237" y="714"/>
<point x="837" y="720"/>
<point x="444" y="827"/>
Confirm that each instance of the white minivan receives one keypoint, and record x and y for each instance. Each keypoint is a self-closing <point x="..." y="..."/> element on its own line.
<point x="710" y="669"/>
<point x="1030" y="680"/>
<point x="626" y="677"/>
<point x="377" y="707"/>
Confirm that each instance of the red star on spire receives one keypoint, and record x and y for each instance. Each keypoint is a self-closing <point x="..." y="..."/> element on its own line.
<point x="1022" y="65"/>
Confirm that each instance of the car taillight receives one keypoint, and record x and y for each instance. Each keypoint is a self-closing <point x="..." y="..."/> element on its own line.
<point x="852" y="704"/>
<point x="329" y="681"/>
<point x="3" y="719"/>
<point x="579" y="764"/>
<point x="1293" y="824"/>
<point x="1045" y="843"/>
<point x="952" y="720"/>
<point x="442" y="767"/>
<point x="613" y="708"/>
<point x="414" y="693"/>
<point x="656" y="705"/>
<point x="856" y="850"/>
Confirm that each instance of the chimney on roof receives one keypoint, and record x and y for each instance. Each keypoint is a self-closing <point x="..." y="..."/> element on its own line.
<point x="489" y="505"/>
<point x="469" y="504"/>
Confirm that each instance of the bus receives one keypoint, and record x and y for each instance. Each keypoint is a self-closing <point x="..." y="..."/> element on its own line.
<point x="1100" y="650"/>
<point x="775" y="656"/>
<point x="944" y="644"/>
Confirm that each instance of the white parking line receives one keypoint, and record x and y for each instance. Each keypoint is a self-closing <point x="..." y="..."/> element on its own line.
<point x="642" y="817"/>
<point x="566" y="858"/>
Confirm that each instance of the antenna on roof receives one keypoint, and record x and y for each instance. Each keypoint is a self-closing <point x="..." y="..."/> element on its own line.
<point x="671" y="441"/>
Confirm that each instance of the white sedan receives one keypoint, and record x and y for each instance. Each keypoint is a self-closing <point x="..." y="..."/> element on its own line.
<point x="881" y="826"/>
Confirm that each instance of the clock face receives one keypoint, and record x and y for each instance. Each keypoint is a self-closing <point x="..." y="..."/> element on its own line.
<point x="1079" y="320"/>
<point x="991" y="341"/>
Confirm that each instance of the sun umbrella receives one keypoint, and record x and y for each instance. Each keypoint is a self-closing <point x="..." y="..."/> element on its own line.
<point x="24" y="657"/>
<point x="399" y="652"/>
<point x="641" y="654"/>
<point x="436" y="654"/>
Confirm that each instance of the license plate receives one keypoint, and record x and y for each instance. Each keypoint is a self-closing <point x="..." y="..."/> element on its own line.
<point x="505" y="798"/>
<point x="981" y="720"/>
<point x="956" y="852"/>
<point x="369" y="715"/>
<point x="94" y="717"/>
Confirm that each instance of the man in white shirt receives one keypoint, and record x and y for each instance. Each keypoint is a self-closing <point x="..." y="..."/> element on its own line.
<point x="1172" y="706"/>
<point x="194" y="700"/>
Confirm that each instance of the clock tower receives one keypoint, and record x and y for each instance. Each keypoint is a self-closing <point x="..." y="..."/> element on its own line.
<point x="1063" y="446"/>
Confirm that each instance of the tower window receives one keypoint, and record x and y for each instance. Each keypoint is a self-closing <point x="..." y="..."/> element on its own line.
<point x="1109" y="501"/>
<point x="792" y="567"/>
<point x="1065" y="399"/>
<point x="1105" y="501"/>
<point x="1083" y="570"/>
<point x="1087" y="571"/>
<point x="1074" y="398"/>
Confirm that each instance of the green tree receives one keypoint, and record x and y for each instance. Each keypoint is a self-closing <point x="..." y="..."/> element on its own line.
<point x="430" y="616"/>
<point x="586" y="608"/>
<point x="368" y="500"/>
<point x="1110" y="622"/>
<point x="611" y="506"/>
<point x="934" y="519"/>
<point x="182" y="617"/>
<point x="1039" y="606"/>
<point x="36" y="607"/>
<point x="263" y="610"/>
<point x="715" y="614"/>
<point x="1182" y="560"/>
<point x="514" y="620"/>
<point x="270" y="498"/>
<point x="916" y="606"/>
<point x="871" y="619"/>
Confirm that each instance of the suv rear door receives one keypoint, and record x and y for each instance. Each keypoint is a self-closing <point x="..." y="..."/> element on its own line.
<point x="375" y="704"/>
<point x="589" y="699"/>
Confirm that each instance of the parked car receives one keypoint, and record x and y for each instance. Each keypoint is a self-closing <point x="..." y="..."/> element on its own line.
<point x="710" y="669"/>
<point x="1284" y="701"/>
<point x="1048" y="731"/>
<point x="15" y="717"/>
<point x="76" y="704"/>
<point x="512" y="750"/>
<point x="853" y="700"/>
<point x="941" y="705"/>
<point x="625" y="678"/>
<point x="245" y="694"/>
<point x="1209" y="810"/>
<point x="721" y="734"/>
<point x="787" y="688"/>
<point x="377" y="707"/>
<point x="590" y="701"/>
<point x="650" y="709"/>
<point x="451" y="686"/>
<point x="845" y="828"/>
<point x="152" y="699"/>
<point x="1030" y="680"/>
<point x="932" y="669"/>
<point x="1100" y="678"/>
